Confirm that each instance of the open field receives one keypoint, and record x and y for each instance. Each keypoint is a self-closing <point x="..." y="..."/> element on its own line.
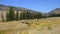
<point x="36" y="26"/>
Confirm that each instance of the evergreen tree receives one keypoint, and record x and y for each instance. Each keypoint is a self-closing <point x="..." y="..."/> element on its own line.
<point x="17" y="15"/>
<point x="39" y="15"/>
<point x="21" y="16"/>
<point x="2" y="17"/>
<point x="27" y="15"/>
<point x="11" y="15"/>
<point x="54" y="15"/>
<point x="7" y="16"/>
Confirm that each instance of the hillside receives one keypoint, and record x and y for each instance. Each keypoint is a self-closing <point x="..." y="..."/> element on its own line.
<point x="31" y="26"/>
<point x="56" y="11"/>
<point x="4" y="9"/>
<point x="21" y="9"/>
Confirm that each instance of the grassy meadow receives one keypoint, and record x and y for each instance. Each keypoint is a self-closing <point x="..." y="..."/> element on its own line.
<point x="36" y="26"/>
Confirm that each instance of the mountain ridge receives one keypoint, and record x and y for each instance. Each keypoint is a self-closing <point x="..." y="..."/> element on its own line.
<point x="6" y="7"/>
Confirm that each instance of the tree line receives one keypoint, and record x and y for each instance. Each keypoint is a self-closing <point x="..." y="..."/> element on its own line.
<point x="10" y="15"/>
<point x="54" y="15"/>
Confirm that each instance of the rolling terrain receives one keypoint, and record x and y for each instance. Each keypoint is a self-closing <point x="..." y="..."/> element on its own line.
<point x="32" y="26"/>
<point x="36" y="26"/>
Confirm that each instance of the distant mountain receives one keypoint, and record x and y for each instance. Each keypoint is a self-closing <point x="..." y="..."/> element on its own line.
<point x="5" y="8"/>
<point x="55" y="11"/>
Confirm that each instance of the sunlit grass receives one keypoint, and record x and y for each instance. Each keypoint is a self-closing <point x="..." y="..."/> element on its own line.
<point x="47" y="22"/>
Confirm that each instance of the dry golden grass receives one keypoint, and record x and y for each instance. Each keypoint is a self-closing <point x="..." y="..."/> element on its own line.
<point x="36" y="26"/>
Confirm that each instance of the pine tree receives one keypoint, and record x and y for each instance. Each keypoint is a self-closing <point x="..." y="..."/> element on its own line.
<point x="17" y="15"/>
<point x="39" y="15"/>
<point x="22" y="16"/>
<point x="7" y="16"/>
<point x="11" y="15"/>
<point x="2" y="17"/>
